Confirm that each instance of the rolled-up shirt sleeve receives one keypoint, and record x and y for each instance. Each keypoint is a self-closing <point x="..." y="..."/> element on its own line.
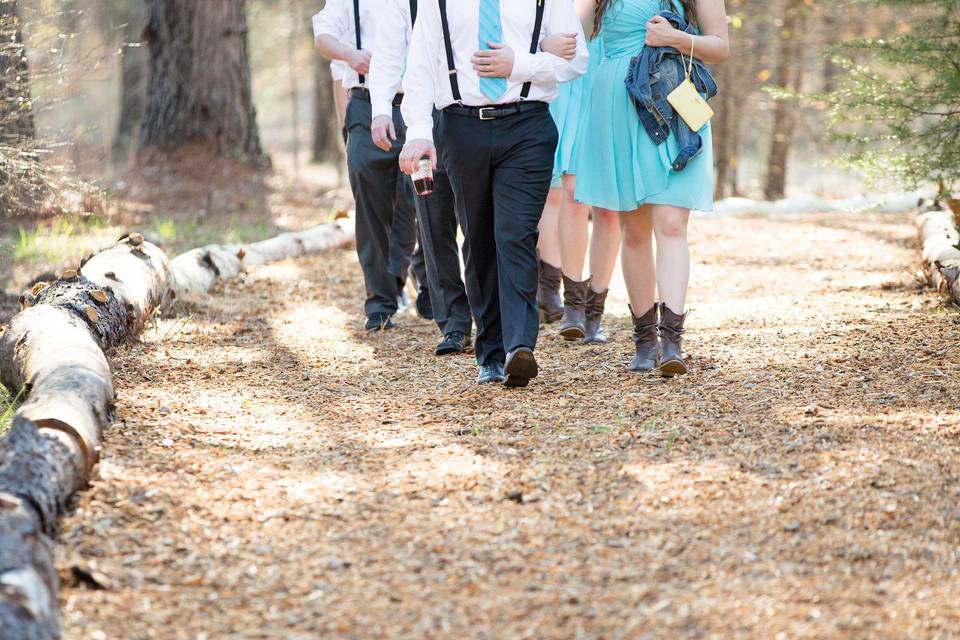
<point x="386" y="65"/>
<point x="420" y="79"/>
<point x="545" y="68"/>
<point x="333" y="20"/>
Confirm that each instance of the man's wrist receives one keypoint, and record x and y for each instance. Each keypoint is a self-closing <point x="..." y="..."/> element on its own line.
<point x="522" y="62"/>
<point x="420" y="132"/>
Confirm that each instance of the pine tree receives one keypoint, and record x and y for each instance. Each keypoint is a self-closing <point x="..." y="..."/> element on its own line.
<point x="899" y="106"/>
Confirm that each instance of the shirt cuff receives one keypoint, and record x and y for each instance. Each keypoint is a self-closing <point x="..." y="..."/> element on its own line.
<point x="421" y="131"/>
<point x="382" y="108"/>
<point x="522" y="64"/>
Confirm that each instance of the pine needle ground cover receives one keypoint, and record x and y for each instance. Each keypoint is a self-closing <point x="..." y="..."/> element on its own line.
<point x="276" y="473"/>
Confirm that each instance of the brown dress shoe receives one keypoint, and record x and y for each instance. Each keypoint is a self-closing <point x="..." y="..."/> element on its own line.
<point x="548" y="293"/>
<point x="671" y="337"/>
<point x="574" y="323"/>
<point x="595" y="305"/>
<point x="645" y="339"/>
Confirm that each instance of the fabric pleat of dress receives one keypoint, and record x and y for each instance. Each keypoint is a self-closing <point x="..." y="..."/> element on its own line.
<point x="568" y="111"/>
<point x="617" y="164"/>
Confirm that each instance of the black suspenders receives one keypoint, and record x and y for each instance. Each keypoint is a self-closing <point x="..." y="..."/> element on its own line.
<point x="448" y="45"/>
<point x="535" y="43"/>
<point x="451" y="65"/>
<point x="356" y="27"/>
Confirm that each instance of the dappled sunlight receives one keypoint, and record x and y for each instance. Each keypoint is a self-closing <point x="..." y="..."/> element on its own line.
<point x="321" y="333"/>
<point x="438" y="467"/>
<point x="304" y="489"/>
<point x="297" y="458"/>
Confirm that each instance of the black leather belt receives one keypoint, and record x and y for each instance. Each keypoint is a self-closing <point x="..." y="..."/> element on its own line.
<point x="496" y="110"/>
<point x="364" y="94"/>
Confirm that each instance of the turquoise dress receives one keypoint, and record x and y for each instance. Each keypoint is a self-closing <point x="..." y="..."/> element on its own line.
<point x="568" y="110"/>
<point x="617" y="164"/>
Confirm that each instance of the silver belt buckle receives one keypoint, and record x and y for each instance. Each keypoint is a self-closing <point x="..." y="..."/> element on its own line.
<point x="485" y="117"/>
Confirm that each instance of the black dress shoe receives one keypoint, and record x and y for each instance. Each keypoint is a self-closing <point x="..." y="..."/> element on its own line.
<point x="424" y="306"/>
<point x="453" y="342"/>
<point x="521" y="367"/>
<point x="490" y="373"/>
<point x="378" y="322"/>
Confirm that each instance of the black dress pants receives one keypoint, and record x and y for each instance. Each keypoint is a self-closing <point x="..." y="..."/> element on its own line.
<point x="386" y="218"/>
<point x="406" y="246"/>
<point x="437" y="220"/>
<point x="500" y="171"/>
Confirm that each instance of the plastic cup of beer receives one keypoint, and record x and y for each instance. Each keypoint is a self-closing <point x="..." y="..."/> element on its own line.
<point x="423" y="177"/>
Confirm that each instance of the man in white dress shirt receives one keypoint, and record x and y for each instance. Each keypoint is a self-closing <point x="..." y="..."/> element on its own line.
<point x="479" y="63"/>
<point x="386" y="220"/>
<point x="436" y="216"/>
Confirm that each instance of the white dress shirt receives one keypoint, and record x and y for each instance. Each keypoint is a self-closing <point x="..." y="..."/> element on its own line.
<point x="426" y="82"/>
<point x="336" y="19"/>
<point x="337" y="69"/>
<point x="389" y="55"/>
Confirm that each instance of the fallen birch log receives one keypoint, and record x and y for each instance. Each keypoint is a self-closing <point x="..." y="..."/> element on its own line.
<point x="197" y="271"/>
<point x="939" y="240"/>
<point x="55" y="349"/>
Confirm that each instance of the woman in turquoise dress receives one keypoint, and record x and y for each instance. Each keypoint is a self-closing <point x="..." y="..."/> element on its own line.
<point x="620" y="169"/>
<point x="566" y="222"/>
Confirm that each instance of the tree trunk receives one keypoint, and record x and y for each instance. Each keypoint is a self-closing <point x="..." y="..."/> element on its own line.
<point x="327" y="145"/>
<point x="199" y="89"/>
<point x="16" y="107"/>
<point x="789" y="73"/>
<point x="133" y="88"/>
<point x="724" y="152"/>
<point x="831" y="37"/>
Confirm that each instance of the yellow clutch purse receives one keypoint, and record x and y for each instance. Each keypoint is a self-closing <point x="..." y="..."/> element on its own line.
<point x="687" y="101"/>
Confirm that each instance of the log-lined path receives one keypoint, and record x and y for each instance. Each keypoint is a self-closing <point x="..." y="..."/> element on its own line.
<point x="276" y="473"/>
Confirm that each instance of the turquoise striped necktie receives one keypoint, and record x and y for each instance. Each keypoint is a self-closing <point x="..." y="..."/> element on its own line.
<point x="491" y="31"/>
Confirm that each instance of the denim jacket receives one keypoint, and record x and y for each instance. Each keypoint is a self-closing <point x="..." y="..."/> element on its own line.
<point x="653" y="74"/>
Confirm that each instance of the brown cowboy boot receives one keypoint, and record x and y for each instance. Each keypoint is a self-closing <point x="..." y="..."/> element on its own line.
<point x="645" y="338"/>
<point x="671" y="337"/>
<point x="595" y="305"/>
<point x="548" y="293"/>
<point x="573" y="326"/>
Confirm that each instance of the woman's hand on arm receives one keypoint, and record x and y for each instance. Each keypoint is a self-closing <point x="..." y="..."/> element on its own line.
<point x="562" y="45"/>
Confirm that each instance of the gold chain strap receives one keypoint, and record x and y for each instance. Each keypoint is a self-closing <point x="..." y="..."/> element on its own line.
<point x="689" y="67"/>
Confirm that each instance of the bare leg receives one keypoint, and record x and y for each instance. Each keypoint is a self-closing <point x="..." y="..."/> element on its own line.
<point x="340" y="101"/>
<point x="604" y="245"/>
<point x="673" y="255"/>
<point x="549" y="244"/>
<point x="574" y="231"/>
<point x="636" y="257"/>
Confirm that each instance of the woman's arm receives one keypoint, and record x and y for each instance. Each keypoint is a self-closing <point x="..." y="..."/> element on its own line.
<point x="586" y="10"/>
<point x="713" y="46"/>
